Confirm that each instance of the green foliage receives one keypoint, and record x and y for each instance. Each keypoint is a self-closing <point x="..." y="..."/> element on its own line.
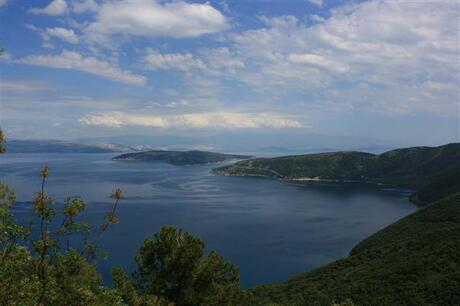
<point x="415" y="261"/>
<point x="443" y="185"/>
<point x="10" y="230"/>
<point x="126" y="287"/>
<point x="172" y="265"/>
<point x="42" y="274"/>
<point x="34" y="268"/>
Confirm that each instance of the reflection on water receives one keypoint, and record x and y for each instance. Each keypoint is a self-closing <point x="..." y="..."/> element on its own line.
<point x="271" y="229"/>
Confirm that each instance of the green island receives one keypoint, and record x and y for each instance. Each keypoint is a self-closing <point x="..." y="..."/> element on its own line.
<point x="433" y="171"/>
<point x="179" y="157"/>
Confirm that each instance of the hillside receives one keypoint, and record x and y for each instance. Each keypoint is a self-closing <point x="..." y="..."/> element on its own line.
<point x="416" y="168"/>
<point x="59" y="146"/>
<point x="415" y="261"/>
<point x="179" y="157"/>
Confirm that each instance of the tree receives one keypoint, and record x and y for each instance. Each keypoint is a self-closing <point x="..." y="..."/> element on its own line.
<point x="172" y="265"/>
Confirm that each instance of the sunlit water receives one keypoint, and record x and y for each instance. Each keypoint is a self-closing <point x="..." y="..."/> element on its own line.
<point x="271" y="229"/>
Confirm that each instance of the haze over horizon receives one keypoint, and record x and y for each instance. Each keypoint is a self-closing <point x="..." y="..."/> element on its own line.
<point x="379" y="72"/>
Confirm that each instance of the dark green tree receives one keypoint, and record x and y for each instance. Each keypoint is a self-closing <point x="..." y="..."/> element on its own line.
<point x="173" y="265"/>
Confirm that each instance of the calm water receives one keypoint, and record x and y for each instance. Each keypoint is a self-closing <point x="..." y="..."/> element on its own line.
<point x="271" y="229"/>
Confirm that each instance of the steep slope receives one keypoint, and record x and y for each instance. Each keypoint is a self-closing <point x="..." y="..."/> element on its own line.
<point x="179" y="157"/>
<point x="415" y="261"/>
<point x="416" y="167"/>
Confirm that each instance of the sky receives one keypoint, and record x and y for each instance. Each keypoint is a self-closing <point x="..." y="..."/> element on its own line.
<point x="386" y="70"/>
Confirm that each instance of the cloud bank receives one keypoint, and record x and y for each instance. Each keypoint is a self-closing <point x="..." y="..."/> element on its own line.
<point x="219" y="120"/>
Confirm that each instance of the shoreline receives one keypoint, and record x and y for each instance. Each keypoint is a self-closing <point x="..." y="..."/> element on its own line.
<point x="412" y="198"/>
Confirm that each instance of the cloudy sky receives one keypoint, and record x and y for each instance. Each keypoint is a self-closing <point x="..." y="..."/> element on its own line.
<point x="383" y="69"/>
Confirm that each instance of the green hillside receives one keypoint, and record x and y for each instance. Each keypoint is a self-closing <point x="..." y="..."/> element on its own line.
<point x="416" y="168"/>
<point x="179" y="157"/>
<point x="415" y="261"/>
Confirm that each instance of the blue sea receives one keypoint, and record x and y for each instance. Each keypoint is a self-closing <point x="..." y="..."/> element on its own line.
<point x="271" y="229"/>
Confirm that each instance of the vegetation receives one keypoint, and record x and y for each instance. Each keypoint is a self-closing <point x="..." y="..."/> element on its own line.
<point x="180" y="157"/>
<point x="435" y="168"/>
<point x="415" y="261"/>
<point x="37" y="268"/>
<point x="52" y="260"/>
<point x="443" y="185"/>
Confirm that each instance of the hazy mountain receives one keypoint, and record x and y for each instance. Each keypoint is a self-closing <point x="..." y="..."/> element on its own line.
<point x="251" y="142"/>
<point x="59" y="146"/>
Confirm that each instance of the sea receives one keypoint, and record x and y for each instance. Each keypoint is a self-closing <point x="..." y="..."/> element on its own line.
<point x="271" y="229"/>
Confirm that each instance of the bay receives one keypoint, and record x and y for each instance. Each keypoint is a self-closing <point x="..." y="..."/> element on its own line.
<point x="271" y="229"/>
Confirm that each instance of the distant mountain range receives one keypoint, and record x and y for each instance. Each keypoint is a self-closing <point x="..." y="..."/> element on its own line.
<point x="425" y="169"/>
<point x="179" y="157"/>
<point x="252" y="142"/>
<point x="59" y="146"/>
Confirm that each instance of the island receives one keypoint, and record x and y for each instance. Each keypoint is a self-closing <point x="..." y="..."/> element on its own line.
<point x="425" y="169"/>
<point x="179" y="157"/>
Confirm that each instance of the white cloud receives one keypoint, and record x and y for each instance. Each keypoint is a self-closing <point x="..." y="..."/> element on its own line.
<point x="151" y="18"/>
<point x="394" y="46"/>
<point x="318" y="60"/>
<point x="220" y="120"/>
<point x="178" y="61"/>
<point x="67" y="35"/>
<point x="82" y="6"/>
<point x="55" y="8"/>
<point x="75" y="61"/>
<point x="316" y="2"/>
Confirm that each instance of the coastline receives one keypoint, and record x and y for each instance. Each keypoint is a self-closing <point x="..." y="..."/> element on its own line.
<point x="412" y="197"/>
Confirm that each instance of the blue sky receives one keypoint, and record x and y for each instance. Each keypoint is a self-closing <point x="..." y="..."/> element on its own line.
<point x="386" y="70"/>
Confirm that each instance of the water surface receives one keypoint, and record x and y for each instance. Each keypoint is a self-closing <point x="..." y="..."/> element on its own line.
<point x="271" y="229"/>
